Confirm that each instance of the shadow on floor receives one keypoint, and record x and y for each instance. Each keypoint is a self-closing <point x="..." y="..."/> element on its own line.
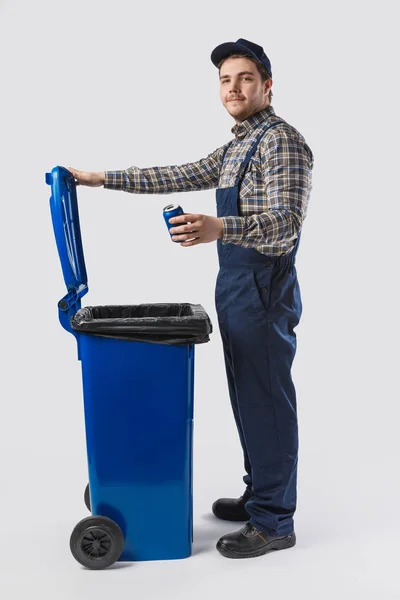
<point x="206" y="536"/>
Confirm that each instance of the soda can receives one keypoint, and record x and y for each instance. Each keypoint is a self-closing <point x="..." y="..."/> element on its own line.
<point x="172" y="210"/>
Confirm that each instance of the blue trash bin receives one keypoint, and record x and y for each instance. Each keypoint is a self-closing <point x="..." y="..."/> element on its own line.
<point x="138" y="383"/>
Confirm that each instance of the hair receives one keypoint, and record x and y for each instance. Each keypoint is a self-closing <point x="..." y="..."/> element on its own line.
<point x="260" y="68"/>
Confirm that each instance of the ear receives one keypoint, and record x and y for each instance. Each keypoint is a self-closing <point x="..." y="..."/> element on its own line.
<point x="268" y="85"/>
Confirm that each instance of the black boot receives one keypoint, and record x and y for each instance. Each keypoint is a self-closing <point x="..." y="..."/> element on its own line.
<point x="249" y="542"/>
<point x="231" y="509"/>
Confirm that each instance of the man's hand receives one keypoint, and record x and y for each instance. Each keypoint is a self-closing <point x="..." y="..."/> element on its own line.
<point x="91" y="179"/>
<point x="201" y="229"/>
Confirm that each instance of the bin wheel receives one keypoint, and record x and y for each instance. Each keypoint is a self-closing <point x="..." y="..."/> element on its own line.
<point x="96" y="542"/>
<point x="86" y="498"/>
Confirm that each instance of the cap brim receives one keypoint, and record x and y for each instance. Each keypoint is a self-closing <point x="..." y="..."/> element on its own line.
<point x="224" y="50"/>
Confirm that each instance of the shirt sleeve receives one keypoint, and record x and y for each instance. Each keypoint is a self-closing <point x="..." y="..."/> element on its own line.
<point x="286" y="162"/>
<point x="200" y="175"/>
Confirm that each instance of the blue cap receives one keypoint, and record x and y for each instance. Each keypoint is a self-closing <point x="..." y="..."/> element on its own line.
<point x="241" y="45"/>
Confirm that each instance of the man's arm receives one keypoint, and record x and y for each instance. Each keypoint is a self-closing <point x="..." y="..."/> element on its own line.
<point x="286" y="164"/>
<point x="200" y="175"/>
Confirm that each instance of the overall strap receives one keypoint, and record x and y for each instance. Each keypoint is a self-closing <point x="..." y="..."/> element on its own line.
<point x="252" y="150"/>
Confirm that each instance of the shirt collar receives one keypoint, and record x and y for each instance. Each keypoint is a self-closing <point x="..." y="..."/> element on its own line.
<point x="242" y="129"/>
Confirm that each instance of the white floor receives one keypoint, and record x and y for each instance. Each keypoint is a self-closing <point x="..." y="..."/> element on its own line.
<point x="347" y="520"/>
<point x="342" y="552"/>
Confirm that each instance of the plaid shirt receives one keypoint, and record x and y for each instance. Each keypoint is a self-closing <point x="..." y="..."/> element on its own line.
<point x="274" y="192"/>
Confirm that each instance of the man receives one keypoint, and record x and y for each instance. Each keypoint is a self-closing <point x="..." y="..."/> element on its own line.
<point x="263" y="178"/>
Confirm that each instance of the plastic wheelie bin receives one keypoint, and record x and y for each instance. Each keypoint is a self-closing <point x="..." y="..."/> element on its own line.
<point x="138" y="383"/>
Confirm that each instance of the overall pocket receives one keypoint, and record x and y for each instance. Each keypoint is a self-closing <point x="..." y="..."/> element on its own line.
<point x="262" y="287"/>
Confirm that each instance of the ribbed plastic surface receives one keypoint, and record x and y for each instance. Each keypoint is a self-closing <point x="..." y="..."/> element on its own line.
<point x="65" y="217"/>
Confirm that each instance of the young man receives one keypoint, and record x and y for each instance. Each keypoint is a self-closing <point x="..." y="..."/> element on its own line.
<point x="263" y="178"/>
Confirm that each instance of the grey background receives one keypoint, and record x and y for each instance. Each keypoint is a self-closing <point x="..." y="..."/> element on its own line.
<point x="96" y="86"/>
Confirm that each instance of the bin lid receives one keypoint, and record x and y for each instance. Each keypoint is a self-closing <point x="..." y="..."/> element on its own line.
<point x="65" y="217"/>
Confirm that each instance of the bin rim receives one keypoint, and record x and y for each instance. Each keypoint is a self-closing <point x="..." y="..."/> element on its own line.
<point x="115" y="321"/>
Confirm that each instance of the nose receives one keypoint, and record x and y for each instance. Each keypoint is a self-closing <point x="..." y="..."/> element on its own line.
<point x="234" y="87"/>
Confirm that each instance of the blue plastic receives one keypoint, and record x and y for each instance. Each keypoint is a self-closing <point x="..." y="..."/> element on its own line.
<point x="139" y="428"/>
<point x="138" y="406"/>
<point x="65" y="218"/>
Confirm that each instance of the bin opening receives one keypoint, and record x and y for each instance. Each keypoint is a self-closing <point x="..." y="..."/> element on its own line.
<point x="141" y="311"/>
<point x="175" y="324"/>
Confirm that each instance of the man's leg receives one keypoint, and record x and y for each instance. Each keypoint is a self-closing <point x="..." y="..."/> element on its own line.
<point x="261" y="351"/>
<point x="235" y="408"/>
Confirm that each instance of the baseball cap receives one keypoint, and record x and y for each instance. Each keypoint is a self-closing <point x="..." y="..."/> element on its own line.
<point x="241" y="45"/>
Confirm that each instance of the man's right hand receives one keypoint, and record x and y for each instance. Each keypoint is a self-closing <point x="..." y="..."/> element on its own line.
<point x="90" y="179"/>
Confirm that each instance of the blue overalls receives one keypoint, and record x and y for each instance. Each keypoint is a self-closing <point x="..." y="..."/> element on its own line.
<point x="258" y="303"/>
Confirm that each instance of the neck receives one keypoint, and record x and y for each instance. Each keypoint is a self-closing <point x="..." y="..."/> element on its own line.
<point x="238" y="121"/>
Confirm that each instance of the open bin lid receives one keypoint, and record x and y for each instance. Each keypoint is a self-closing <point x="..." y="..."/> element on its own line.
<point x="65" y="217"/>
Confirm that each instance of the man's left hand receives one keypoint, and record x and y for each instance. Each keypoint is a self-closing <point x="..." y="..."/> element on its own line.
<point x="200" y="229"/>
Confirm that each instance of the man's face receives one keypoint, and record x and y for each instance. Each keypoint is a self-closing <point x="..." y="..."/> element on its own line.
<point x="240" y="80"/>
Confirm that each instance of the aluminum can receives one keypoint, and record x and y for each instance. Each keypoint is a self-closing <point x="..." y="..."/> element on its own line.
<point x="172" y="210"/>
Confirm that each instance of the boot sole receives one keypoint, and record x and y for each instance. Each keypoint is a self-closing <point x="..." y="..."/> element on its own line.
<point x="230" y="517"/>
<point x="281" y="544"/>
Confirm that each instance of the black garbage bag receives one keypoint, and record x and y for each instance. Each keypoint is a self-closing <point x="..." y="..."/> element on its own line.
<point x="174" y="324"/>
